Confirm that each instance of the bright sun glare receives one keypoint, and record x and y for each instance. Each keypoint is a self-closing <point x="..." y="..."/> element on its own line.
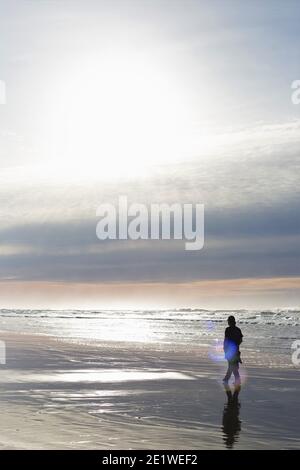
<point x="116" y="115"/>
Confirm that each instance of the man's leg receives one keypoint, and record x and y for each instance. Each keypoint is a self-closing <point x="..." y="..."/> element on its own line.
<point x="236" y="374"/>
<point x="228" y="373"/>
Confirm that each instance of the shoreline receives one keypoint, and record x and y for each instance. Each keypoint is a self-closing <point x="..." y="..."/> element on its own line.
<point x="57" y="393"/>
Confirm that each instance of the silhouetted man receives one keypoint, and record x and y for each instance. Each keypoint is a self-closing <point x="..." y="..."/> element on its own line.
<point x="232" y="341"/>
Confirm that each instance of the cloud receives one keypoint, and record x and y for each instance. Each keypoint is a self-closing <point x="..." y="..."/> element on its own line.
<point x="238" y="244"/>
<point x="48" y="227"/>
<point x="222" y="294"/>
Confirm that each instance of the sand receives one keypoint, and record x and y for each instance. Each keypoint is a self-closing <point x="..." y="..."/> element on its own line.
<point x="60" y="394"/>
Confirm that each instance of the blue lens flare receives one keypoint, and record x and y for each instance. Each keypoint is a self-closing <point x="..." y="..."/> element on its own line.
<point x="231" y="350"/>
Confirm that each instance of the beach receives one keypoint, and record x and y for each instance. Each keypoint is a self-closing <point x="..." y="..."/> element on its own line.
<point x="61" y="393"/>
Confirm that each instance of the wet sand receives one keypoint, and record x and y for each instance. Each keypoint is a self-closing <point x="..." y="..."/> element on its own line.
<point x="58" y="394"/>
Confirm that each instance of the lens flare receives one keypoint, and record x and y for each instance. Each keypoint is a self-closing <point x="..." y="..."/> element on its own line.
<point x="216" y="353"/>
<point x="231" y="350"/>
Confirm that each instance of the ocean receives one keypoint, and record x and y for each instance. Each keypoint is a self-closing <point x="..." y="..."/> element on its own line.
<point x="268" y="334"/>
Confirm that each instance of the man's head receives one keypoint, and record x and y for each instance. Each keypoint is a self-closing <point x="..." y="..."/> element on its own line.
<point x="231" y="320"/>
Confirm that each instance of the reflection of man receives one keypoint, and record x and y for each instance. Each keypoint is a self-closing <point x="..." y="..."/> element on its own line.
<point x="231" y="421"/>
<point x="232" y="341"/>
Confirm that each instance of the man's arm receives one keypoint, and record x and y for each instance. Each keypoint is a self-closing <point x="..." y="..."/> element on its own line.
<point x="241" y="337"/>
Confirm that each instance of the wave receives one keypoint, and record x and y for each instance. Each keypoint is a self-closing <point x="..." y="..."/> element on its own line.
<point x="288" y="316"/>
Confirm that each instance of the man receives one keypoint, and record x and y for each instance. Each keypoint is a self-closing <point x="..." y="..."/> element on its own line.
<point x="232" y="341"/>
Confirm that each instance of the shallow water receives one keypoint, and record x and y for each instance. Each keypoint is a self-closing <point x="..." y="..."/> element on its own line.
<point x="125" y="400"/>
<point x="268" y="335"/>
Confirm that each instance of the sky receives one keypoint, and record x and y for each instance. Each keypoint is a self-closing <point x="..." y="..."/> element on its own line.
<point x="164" y="102"/>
